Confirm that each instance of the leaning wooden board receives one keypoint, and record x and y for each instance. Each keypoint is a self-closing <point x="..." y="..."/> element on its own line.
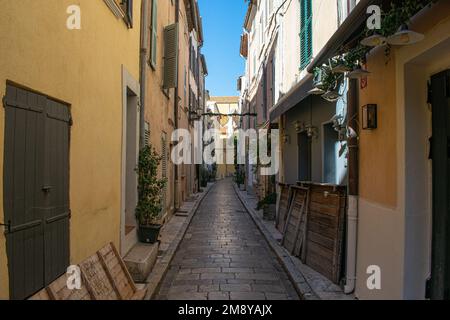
<point x="58" y="290"/>
<point x="325" y="229"/>
<point x="295" y="229"/>
<point x="283" y="206"/>
<point x="104" y="277"/>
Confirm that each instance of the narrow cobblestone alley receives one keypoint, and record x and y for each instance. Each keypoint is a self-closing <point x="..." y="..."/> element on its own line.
<point x="224" y="256"/>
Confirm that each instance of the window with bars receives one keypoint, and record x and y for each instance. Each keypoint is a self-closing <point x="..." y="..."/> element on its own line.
<point x="305" y="33"/>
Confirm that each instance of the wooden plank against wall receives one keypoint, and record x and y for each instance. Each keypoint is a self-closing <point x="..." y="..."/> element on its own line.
<point x="95" y="275"/>
<point x="104" y="277"/>
<point x="295" y="228"/>
<point x="58" y="290"/>
<point x="301" y="232"/>
<point x="325" y="229"/>
<point x="283" y="206"/>
<point x="117" y="272"/>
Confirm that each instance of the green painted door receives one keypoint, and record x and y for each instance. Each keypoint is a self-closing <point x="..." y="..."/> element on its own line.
<point x="36" y="190"/>
<point x="440" y="277"/>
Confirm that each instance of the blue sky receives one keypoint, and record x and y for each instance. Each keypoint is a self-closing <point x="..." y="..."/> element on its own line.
<point x="222" y="25"/>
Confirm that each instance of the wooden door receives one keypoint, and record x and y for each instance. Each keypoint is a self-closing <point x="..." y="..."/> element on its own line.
<point x="440" y="154"/>
<point x="36" y="190"/>
<point x="304" y="157"/>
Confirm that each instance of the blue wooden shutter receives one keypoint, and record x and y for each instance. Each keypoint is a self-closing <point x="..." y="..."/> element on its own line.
<point x="305" y="33"/>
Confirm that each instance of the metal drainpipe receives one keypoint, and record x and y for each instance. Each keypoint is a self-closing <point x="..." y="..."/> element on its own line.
<point x="175" y="111"/>
<point x="353" y="189"/>
<point x="143" y="71"/>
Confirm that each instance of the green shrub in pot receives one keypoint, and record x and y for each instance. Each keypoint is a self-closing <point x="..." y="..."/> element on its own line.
<point x="150" y="195"/>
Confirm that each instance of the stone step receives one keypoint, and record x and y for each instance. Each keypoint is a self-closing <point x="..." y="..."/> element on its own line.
<point x="140" y="261"/>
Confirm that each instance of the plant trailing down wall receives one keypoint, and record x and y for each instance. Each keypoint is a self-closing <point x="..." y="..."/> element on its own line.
<point x="329" y="76"/>
<point x="150" y="187"/>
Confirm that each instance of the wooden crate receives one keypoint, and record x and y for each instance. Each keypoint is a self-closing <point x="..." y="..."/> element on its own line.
<point x="294" y="237"/>
<point x="325" y="229"/>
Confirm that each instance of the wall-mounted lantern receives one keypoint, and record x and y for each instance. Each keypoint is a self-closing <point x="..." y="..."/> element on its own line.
<point x="369" y="117"/>
<point x="299" y="126"/>
<point x="286" y="139"/>
<point x="311" y="131"/>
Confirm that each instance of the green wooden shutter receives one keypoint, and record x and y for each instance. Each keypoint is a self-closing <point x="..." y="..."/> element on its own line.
<point x="305" y="33"/>
<point x="171" y="56"/>
<point x="129" y="12"/>
<point x="154" y="33"/>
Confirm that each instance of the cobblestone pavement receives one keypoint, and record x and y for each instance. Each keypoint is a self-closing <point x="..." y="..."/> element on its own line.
<point x="224" y="256"/>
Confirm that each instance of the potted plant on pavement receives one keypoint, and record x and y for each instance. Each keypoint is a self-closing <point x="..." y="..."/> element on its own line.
<point x="204" y="176"/>
<point x="239" y="178"/>
<point x="150" y="187"/>
<point x="268" y="204"/>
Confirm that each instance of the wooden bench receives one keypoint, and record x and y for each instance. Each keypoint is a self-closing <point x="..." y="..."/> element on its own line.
<point x="104" y="277"/>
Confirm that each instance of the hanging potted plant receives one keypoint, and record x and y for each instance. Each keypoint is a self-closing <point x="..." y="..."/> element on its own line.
<point x="331" y="82"/>
<point x="150" y="187"/>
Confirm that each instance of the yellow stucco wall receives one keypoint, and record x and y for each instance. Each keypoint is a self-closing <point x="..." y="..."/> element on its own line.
<point x="83" y="68"/>
<point x="390" y="235"/>
<point x="225" y="170"/>
<point x="378" y="148"/>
